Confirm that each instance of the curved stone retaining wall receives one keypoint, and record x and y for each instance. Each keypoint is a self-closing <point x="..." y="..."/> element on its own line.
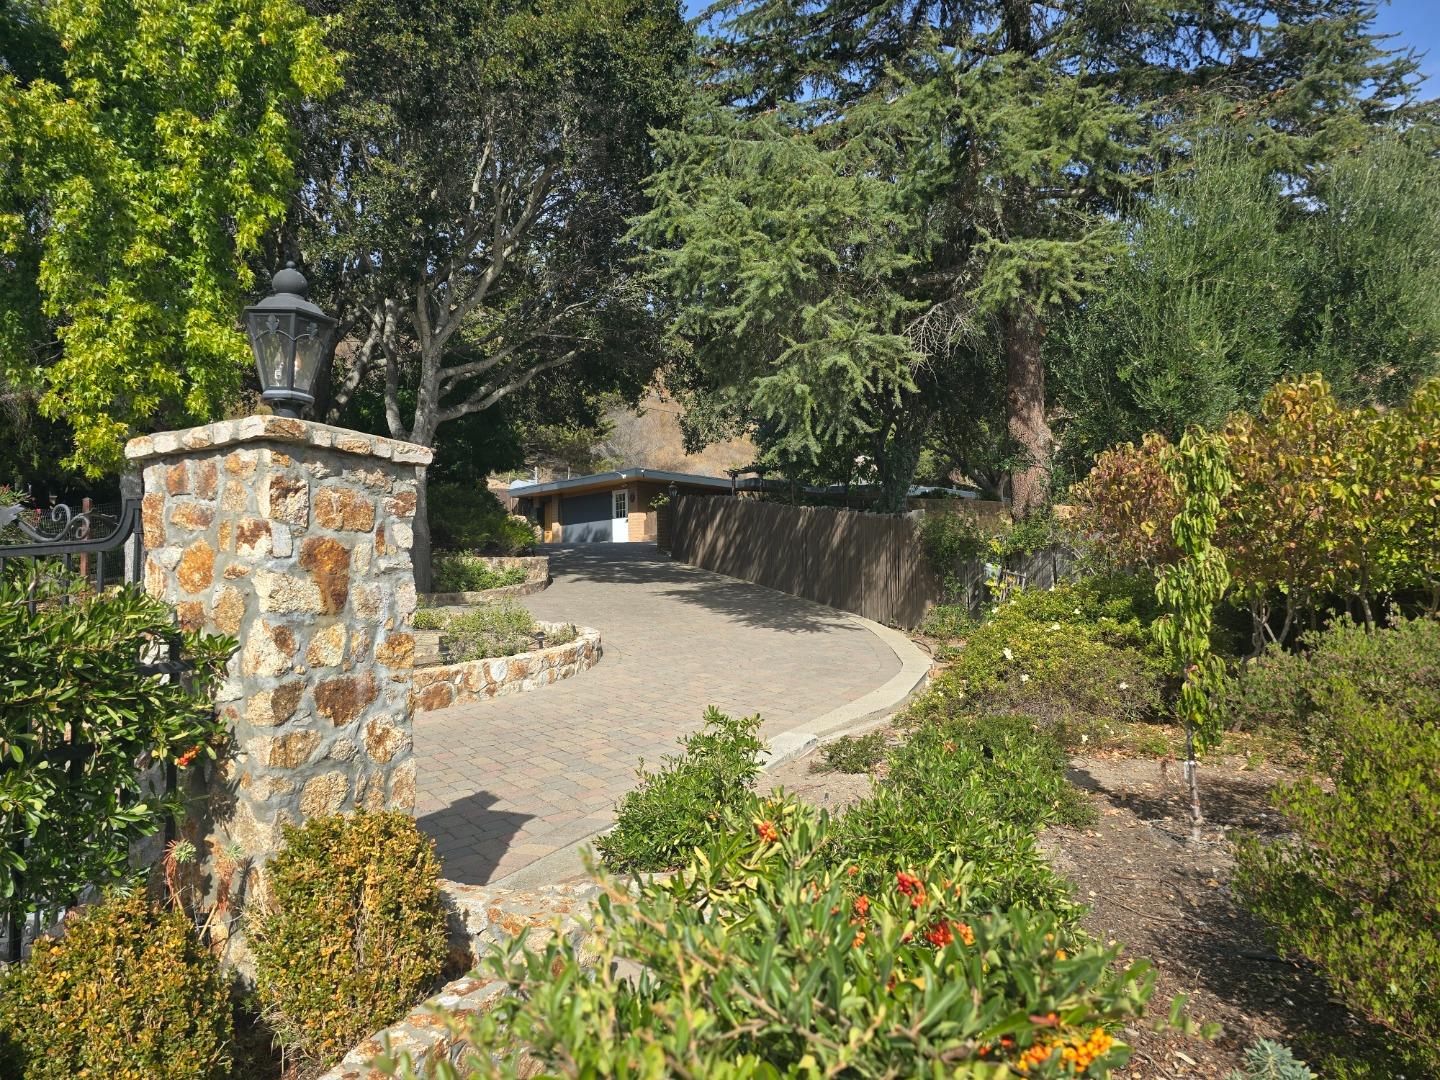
<point x="537" y="578"/>
<point x="441" y="685"/>
<point x="480" y="917"/>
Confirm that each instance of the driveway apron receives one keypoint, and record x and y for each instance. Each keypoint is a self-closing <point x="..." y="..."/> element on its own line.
<point x="503" y="783"/>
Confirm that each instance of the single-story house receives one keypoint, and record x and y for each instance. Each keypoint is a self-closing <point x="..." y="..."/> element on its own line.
<point x="610" y="507"/>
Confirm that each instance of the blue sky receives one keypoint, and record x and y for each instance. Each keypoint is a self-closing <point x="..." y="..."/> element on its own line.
<point x="1416" y="22"/>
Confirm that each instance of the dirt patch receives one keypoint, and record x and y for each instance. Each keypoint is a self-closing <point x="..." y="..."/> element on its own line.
<point x="827" y="789"/>
<point x="1169" y="900"/>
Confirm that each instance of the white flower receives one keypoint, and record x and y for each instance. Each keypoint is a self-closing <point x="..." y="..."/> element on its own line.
<point x="1084" y="739"/>
<point x="1024" y="678"/>
<point x="1054" y="626"/>
<point x="1124" y="686"/>
<point x="1077" y="611"/>
<point x="1008" y="654"/>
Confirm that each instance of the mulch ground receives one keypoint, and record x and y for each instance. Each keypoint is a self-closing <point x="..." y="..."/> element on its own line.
<point x="1169" y="899"/>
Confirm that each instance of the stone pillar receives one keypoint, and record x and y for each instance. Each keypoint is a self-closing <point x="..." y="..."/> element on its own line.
<point x="293" y="537"/>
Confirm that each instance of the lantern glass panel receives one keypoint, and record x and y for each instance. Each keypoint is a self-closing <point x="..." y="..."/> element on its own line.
<point x="270" y="338"/>
<point x="310" y="344"/>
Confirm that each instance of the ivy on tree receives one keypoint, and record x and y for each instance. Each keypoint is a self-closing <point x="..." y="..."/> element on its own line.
<point x="1189" y="589"/>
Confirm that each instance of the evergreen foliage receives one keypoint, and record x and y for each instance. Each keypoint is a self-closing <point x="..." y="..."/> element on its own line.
<point x="1234" y="281"/>
<point x="874" y="213"/>
<point x="72" y="679"/>
<point x="352" y="934"/>
<point x="127" y="992"/>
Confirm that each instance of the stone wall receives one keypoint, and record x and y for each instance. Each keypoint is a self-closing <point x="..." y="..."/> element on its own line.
<point x="438" y="686"/>
<point x="482" y="918"/>
<point x="294" y="538"/>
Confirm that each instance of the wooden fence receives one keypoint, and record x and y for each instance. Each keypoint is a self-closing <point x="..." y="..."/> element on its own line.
<point x="869" y="564"/>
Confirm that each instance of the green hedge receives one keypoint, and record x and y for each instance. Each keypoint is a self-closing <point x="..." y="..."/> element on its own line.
<point x="1354" y="888"/>
<point x="74" y="667"/>
<point x="464" y="518"/>
<point x="1078" y="660"/>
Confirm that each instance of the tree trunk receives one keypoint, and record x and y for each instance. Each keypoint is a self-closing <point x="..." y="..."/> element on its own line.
<point x="1023" y="335"/>
<point x="420" y="552"/>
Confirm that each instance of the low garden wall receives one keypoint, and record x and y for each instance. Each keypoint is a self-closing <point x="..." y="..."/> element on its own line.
<point x="438" y="686"/>
<point x="481" y="917"/>
<point x="537" y="578"/>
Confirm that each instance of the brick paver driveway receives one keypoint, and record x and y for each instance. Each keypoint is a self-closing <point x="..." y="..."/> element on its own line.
<point x="505" y="782"/>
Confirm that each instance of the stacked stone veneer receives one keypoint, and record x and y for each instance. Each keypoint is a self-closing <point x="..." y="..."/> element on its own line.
<point x="294" y="538"/>
<point x="438" y="686"/>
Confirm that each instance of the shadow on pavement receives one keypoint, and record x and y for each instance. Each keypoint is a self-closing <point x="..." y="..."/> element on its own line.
<point x="738" y="601"/>
<point x="471" y="838"/>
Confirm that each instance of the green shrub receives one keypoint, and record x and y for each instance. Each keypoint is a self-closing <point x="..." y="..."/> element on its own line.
<point x="74" y="666"/>
<point x="503" y="628"/>
<point x="762" y="959"/>
<point x="1302" y="691"/>
<point x="1268" y="1060"/>
<point x="675" y="809"/>
<point x="945" y="621"/>
<point x="457" y="572"/>
<point x="1077" y="659"/>
<point x="464" y="518"/>
<point x="127" y="993"/>
<point x="352" y="934"/>
<point x="1354" y="888"/>
<point x="948" y="541"/>
<point x="973" y="787"/>
<point x="851" y="754"/>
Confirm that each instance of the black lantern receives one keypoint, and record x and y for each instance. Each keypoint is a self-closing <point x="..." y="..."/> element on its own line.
<point x="290" y="337"/>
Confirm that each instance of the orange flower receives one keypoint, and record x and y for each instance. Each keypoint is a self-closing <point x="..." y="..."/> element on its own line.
<point x="862" y="906"/>
<point x="859" y="939"/>
<point x="768" y="832"/>
<point x="188" y="756"/>
<point x="939" y="935"/>
<point x="911" y="886"/>
<point x="852" y="870"/>
<point x="964" y="933"/>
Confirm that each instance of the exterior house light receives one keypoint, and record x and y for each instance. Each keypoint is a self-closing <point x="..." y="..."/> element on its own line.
<point x="290" y="337"/>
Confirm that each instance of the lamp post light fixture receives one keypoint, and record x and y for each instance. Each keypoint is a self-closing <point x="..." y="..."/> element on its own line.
<point x="290" y="337"/>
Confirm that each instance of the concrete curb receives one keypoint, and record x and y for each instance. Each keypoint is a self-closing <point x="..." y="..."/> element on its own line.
<point x="853" y="718"/>
<point x="863" y="713"/>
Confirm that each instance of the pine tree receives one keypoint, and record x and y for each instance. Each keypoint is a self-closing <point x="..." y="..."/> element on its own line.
<point x="878" y="203"/>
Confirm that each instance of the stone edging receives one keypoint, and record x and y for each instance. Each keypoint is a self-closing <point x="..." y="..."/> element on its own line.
<point x="479" y="917"/>
<point x="536" y="567"/>
<point x="439" y="686"/>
